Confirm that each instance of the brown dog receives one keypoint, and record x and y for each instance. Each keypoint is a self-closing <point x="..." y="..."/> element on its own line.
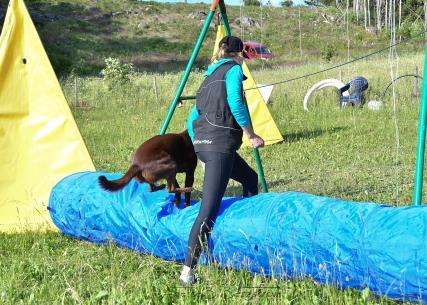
<point x="161" y="157"/>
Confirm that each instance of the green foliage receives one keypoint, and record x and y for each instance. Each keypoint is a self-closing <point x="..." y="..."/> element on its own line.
<point x="328" y="2"/>
<point x="115" y="73"/>
<point x="328" y="52"/>
<point x="61" y="61"/>
<point x="412" y="9"/>
<point x="410" y="29"/>
<point x="287" y="3"/>
<point x="312" y="2"/>
<point x="252" y="3"/>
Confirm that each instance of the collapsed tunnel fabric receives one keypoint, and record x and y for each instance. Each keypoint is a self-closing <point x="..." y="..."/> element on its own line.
<point x="288" y="235"/>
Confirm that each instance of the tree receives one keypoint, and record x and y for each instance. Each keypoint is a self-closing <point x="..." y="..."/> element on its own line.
<point x="312" y="2"/>
<point x="326" y="2"/>
<point x="252" y="3"/>
<point x="287" y="3"/>
<point x="381" y="13"/>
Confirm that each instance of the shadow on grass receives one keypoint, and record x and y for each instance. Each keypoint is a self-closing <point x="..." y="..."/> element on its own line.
<point x="236" y="190"/>
<point x="309" y="134"/>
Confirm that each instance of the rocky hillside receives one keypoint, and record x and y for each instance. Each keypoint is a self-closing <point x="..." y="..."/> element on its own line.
<point x="79" y="34"/>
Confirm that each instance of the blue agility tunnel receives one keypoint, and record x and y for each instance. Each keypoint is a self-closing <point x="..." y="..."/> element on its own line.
<point x="289" y="235"/>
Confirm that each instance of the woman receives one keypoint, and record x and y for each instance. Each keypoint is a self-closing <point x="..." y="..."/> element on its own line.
<point x="216" y="125"/>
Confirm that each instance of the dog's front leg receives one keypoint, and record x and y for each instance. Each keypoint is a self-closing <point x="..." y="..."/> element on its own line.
<point x="189" y="181"/>
<point x="173" y="187"/>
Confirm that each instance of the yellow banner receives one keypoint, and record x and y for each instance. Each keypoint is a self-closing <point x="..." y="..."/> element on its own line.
<point x="39" y="139"/>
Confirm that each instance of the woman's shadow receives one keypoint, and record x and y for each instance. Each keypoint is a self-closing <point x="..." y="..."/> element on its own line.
<point x="309" y="134"/>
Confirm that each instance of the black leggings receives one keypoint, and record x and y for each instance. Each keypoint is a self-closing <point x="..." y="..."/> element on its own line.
<point x="219" y="167"/>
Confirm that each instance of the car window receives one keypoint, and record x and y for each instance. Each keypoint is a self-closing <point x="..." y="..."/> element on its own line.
<point x="262" y="50"/>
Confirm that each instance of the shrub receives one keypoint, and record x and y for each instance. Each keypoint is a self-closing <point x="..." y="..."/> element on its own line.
<point x="252" y="3"/>
<point x="116" y="73"/>
<point x="287" y="3"/>
<point x="329" y="52"/>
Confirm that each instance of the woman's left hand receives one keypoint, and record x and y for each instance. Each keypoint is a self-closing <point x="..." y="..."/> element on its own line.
<point x="257" y="141"/>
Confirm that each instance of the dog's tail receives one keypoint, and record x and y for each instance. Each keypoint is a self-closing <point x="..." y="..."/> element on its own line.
<point x="115" y="185"/>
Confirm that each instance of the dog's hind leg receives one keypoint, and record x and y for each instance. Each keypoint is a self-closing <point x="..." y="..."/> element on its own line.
<point x="154" y="188"/>
<point x="140" y="178"/>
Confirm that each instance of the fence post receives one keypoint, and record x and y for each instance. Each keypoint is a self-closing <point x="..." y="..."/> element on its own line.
<point x="76" y="97"/>
<point x="155" y="89"/>
<point x="415" y="92"/>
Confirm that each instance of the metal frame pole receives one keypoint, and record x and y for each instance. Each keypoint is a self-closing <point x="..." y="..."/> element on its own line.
<point x="419" y="166"/>
<point x="257" y="157"/>
<point x="189" y="66"/>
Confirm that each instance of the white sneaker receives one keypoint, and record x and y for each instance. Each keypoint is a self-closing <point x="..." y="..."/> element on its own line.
<point x="188" y="277"/>
<point x="186" y="280"/>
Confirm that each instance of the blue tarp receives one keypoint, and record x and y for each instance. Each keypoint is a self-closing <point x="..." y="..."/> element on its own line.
<point x="289" y="235"/>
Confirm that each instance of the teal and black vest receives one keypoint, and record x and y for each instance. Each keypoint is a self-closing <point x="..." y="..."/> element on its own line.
<point x="216" y="129"/>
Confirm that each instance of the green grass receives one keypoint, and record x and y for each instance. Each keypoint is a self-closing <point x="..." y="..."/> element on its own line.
<point x="350" y="154"/>
<point x="54" y="269"/>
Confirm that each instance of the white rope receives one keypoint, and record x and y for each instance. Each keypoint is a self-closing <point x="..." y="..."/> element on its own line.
<point x="348" y="36"/>
<point x="260" y="6"/>
<point x="425" y="19"/>
<point x="353" y="116"/>
<point x="300" y="34"/>
<point x="242" y="27"/>
<point x="394" y="71"/>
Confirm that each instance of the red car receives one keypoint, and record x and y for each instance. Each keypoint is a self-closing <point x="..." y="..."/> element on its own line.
<point x="253" y="50"/>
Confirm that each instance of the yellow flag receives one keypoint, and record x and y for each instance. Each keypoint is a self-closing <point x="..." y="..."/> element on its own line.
<point x="262" y="121"/>
<point x="39" y="139"/>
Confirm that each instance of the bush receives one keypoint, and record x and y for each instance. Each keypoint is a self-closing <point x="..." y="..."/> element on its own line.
<point x="287" y="3"/>
<point x="312" y="2"/>
<point x="116" y="73"/>
<point x="405" y="30"/>
<point x="329" y="52"/>
<point x="417" y="30"/>
<point x="61" y="63"/>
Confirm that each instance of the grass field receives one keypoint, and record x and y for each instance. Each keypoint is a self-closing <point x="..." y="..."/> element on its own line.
<point x="354" y="154"/>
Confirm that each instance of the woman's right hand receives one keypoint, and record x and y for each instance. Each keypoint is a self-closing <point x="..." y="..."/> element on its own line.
<point x="257" y="141"/>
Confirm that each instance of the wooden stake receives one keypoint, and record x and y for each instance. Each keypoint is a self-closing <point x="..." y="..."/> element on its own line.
<point x="76" y="97"/>
<point x="415" y="92"/>
<point x="300" y="34"/>
<point x="155" y="89"/>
